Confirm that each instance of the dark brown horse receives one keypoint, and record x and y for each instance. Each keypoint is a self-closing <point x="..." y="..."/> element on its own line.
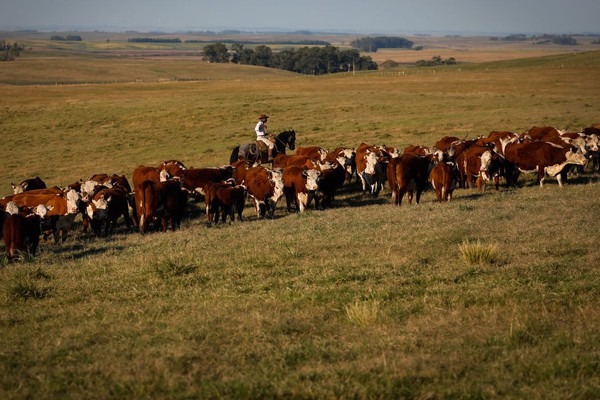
<point x="252" y="152"/>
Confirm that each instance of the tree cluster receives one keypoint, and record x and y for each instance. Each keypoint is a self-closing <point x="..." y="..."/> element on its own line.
<point x="9" y="51"/>
<point x="68" y="38"/>
<point x="436" y="60"/>
<point x="154" y="40"/>
<point x="372" y="44"/>
<point x="305" y="60"/>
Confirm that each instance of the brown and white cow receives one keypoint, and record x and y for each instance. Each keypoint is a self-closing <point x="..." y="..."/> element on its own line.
<point x="62" y="210"/>
<point x="443" y="178"/>
<point x="478" y="165"/>
<point x="226" y="198"/>
<point x="543" y="158"/>
<point x="408" y="174"/>
<point x="265" y="187"/>
<point x="349" y="164"/>
<point x="106" y="207"/>
<point x="173" y="167"/>
<point x="370" y="164"/>
<point x="299" y="186"/>
<point x="195" y="179"/>
<point x="161" y="201"/>
<point x="28" y="184"/>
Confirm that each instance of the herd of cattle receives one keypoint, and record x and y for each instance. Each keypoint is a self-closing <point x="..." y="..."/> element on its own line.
<point x="160" y="194"/>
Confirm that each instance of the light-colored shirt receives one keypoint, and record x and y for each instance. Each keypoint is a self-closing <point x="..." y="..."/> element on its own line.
<point x="260" y="129"/>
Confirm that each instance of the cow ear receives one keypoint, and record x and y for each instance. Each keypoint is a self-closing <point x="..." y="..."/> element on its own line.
<point x="13" y="185"/>
<point x="305" y="172"/>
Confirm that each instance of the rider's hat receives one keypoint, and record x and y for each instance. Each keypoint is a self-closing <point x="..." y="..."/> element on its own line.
<point x="263" y="116"/>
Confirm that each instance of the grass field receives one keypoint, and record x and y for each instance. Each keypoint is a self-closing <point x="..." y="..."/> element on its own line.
<point x="492" y="296"/>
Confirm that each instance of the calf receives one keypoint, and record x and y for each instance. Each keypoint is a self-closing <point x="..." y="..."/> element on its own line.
<point x="22" y="231"/>
<point x="227" y="197"/>
<point x="330" y="181"/>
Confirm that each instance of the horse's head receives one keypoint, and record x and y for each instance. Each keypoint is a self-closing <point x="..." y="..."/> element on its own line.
<point x="291" y="141"/>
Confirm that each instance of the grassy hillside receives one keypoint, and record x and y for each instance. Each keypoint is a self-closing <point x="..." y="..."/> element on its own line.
<point x="362" y="300"/>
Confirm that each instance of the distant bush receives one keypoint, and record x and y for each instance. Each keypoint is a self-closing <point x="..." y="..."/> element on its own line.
<point x="418" y="48"/>
<point x="371" y="44"/>
<point x="389" y="64"/>
<point x="436" y="60"/>
<point x="9" y="51"/>
<point x="596" y="41"/>
<point x="68" y="38"/>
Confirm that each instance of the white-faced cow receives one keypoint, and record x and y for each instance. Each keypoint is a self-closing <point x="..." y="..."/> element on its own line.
<point x="265" y="186"/>
<point x="299" y="186"/>
<point x="28" y="184"/>
<point x="543" y="158"/>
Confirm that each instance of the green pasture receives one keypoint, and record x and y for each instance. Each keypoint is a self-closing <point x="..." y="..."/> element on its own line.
<point x="494" y="295"/>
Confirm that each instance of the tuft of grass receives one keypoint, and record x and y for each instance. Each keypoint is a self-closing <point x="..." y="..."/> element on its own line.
<point x="28" y="286"/>
<point x="363" y="312"/>
<point x="478" y="253"/>
<point x="173" y="268"/>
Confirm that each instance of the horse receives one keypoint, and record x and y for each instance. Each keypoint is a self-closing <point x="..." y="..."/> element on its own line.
<point x="252" y="152"/>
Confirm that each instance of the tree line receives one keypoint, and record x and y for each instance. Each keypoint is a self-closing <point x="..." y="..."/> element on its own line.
<point x="68" y="38"/>
<point x="305" y="60"/>
<point x="539" y="39"/>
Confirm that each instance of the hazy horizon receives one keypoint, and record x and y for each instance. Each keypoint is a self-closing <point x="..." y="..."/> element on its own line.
<point x="349" y="16"/>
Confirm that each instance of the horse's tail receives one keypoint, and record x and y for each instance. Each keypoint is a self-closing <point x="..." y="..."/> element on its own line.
<point x="234" y="155"/>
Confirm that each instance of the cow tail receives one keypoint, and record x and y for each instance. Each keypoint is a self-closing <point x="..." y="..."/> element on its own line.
<point x="11" y="242"/>
<point x="234" y="155"/>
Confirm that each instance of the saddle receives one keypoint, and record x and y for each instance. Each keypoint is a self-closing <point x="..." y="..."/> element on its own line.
<point x="262" y="150"/>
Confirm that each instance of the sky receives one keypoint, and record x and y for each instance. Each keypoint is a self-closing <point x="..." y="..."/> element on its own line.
<point x="359" y="16"/>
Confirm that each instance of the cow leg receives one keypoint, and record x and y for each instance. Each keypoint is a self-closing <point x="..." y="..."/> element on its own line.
<point x="559" y="178"/>
<point x="541" y="175"/>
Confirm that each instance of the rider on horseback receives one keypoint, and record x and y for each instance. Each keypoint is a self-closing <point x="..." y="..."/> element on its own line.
<point x="261" y="134"/>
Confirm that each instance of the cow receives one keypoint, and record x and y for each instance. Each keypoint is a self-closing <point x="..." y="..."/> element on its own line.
<point x="173" y="167"/>
<point x="349" y="155"/>
<point x="195" y="179"/>
<point x="28" y="184"/>
<point x="265" y="187"/>
<point x="370" y="168"/>
<point x="408" y="174"/>
<point x="299" y="186"/>
<point x="228" y="198"/>
<point x="283" y="160"/>
<point x="543" y="158"/>
<point x="162" y="201"/>
<point x="22" y="234"/>
<point x="314" y="152"/>
<point x="479" y="162"/>
<point x="446" y="142"/>
<point x="330" y="181"/>
<point x="141" y="174"/>
<point x="240" y="168"/>
<point x="106" y="207"/>
<point x="62" y="210"/>
<point x="443" y="178"/>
